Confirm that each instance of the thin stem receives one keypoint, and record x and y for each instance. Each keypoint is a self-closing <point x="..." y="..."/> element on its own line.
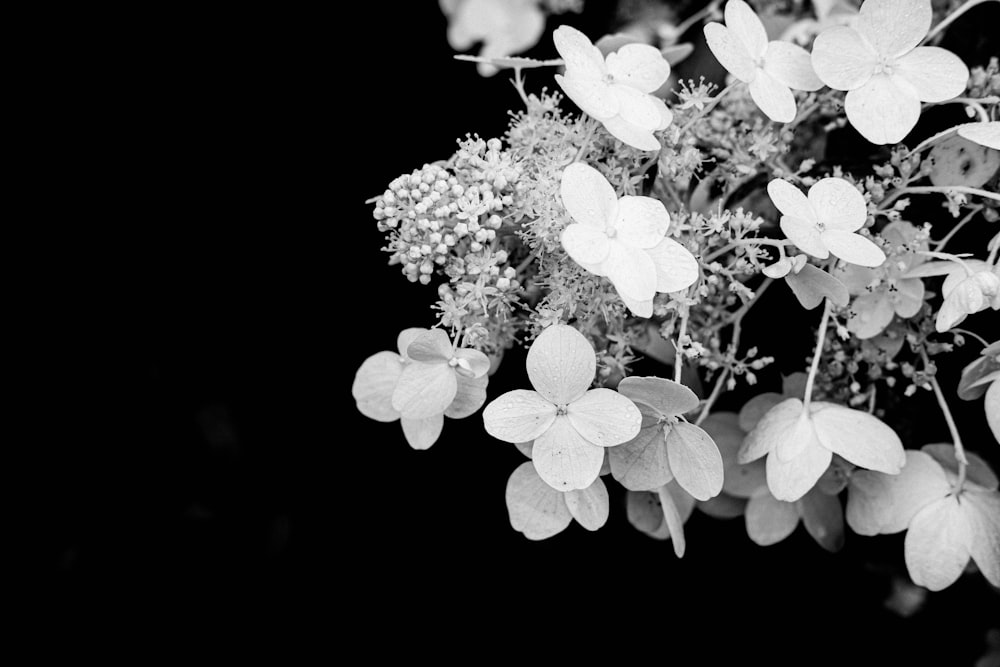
<point x="777" y="243"/>
<point x="963" y="461"/>
<point x="927" y="189"/>
<point x="948" y="20"/>
<point x="686" y="24"/>
<point x="713" y="397"/>
<point x="820" y="339"/>
<point x="678" y="355"/>
<point x="954" y="230"/>
<point x="973" y="334"/>
<point x="519" y="85"/>
<point x="708" y="107"/>
<point x="586" y="141"/>
<point x="527" y="260"/>
<point x="994" y="246"/>
<point x="804" y="114"/>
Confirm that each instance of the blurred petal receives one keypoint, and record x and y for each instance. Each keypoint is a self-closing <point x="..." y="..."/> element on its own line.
<point x="870" y="315"/>
<point x="676" y="267"/>
<point x="745" y="481"/>
<point x="432" y="346"/>
<point x="773" y="97"/>
<point x="908" y="297"/>
<point x="770" y="520"/>
<point x="992" y="405"/>
<point x="791" y="65"/>
<point x="881" y="111"/>
<point x="757" y="407"/>
<point x="852" y="247"/>
<point x="373" y="386"/>
<point x="936" y="548"/>
<point x="424" y="390"/>
<point x="842" y="59"/>
<point x="894" y="27"/>
<point x="667" y="397"/>
<point x="746" y="27"/>
<point x="564" y="459"/>
<point x="534" y="507"/>
<point x="587" y="196"/>
<point x="730" y="52"/>
<point x="644" y="513"/>
<point x="561" y="364"/>
<point x="641" y="221"/>
<point x="638" y="308"/>
<point x="811" y="285"/>
<point x="518" y="416"/>
<point x="978" y="471"/>
<point x="794" y="385"/>
<point x="632" y="135"/>
<point x="694" y="460"/>
<point x="790" y="480"/>
<point x="631" y="271"/>
<point x="422" y="433"/>
<point x="884" y="504"/>
<point x="790" y="201"/>
<point x="641" y="464"/>
<point x="859" y="437"/>
<point x="469" y="397"/>
<point x="640" y="66"/>
<point x="604" y="417"/>
<point x="838" y="204"/>
<point x="856" y="278"/>
<point x="770" y="430"/>
<point x="666" y="115"/>
<point x="585" y="244"/>
<point x="982" y="509"/>
<point x="823" y="518"/>
<point x="590" y="506"/>
<point x="936" y="74"/>
<point x="723" y="506"/>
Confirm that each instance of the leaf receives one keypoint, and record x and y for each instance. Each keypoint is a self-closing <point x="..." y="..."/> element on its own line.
<point x="823" y="518"/>
<point x="604" y="417"/>
<point x="936" y="545"/>
<point x="643" y="511"/>
<point x="518" y="416"/>
<point x="469" y="397"/>
<point x="642" y="465"/>
<point x="373" y="386"/>
<point x="422" y="433"/>
<point x="978" y="472"/>
<point x="959" y="161"/>
<point x="723" y="506"/>
<point x="564" y="459"/>
<point x="694" y="461"/>
<point x="590" y="506"/>
<point x="667" y="397"/>
<point x="511" y="62"/>
<point x="811" y="285"/>
<point x="880" y="504"/>
<point x="561" y="364"/>
<point x="424" y="390"/>
<point x="982" y="509"/>
<point x="534" y="507"/>
<point x="859" y="437"/>
<point x="769" y="520"/>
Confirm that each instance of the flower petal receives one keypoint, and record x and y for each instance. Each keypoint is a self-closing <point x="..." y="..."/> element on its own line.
<point x="585" y="244"/>
<point x="936" y="548"/>
<point x="640" y="66"/>
<point x="430" y="347"/>
<point x="469" y="397"/>
<point x="842" y="58"/>
<point x="580" y="54"/>
<point x="593" y="96"/>
<point x="894" y="27"/>
<point x="630" y="134"/>
<point x="666" y="115"/>
<point x="757" y="407"/>
<point x="982" y="509"/>
<point x="676" y="267"/>
<point x="791" y="65"/>
<point x="637" y="108"/>
<point x="534" y="507"/>
<point x="564" y="459"/>
<point x="723" y="506"/>
<point x="422" y="433"/>
<point x="471" y="363"/>
<point x="773" y="97"/>
<point x="587" y="196"/>
<point x="978" y="472"/>
<point x="790" y="480"/>
<point x="881" y="504"/>
<point x="518" y="416"/>
<point x="631" y="271"/>
<point x="794" y="441"/>
<point x="730" y="52"/>
<point x="676" y="506"/>
<point x="870" y="314"/>
<point x="908" y="297"/>
<point x="852" y="247"/>
<point x="591" y="506"/>
<point x="984" y="134"/>
<point x="823" y="518"/>
<point x="695" y="460"/>
<point x="424" y="390"/>
<point x="935" y="73"/>
<point x="666" y="397"/>
<point x="838" y="204"/>
<point x="746" y="27"/>
<point x="641" y="221"/>
<point x="790" y="201"/>
<point x="770" y="430"/>
<point x="881" y="111"/>
<point x="811" y="285"/>
<point x="992" y="406"/>
<point x="641" y="464"/>
<point x="644" y="513"/>
<point x="561" y="364"/>
<point x="407" y="336"/>
<point x="373" y="386"/>
<point x="604" y="417"/>
<point x="638" y="308"/>
<point x="859" y="437"/>
<point x="805" y="235"/>
<point x="770" y="520"/>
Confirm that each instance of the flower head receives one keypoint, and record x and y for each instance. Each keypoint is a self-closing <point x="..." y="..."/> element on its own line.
<point x="505" y="27"/>
<point x="969" y="288"/>
<point x="771" y="69"/>
<point x="826" y="221"/>
<point x="623" y="239"/>
<point x="616" y="90"/>
<point x="570" y="425"/>
<point x="886" y="75"/>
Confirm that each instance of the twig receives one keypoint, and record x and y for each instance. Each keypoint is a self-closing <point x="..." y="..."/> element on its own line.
<point x="963" y="461"/>
<point x="820" y="339"/>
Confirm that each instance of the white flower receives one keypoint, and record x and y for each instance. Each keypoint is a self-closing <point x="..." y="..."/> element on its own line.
<point x="825" y="221"/>
<point x="616" y="91"/>
<point x="570" y="425"/>
<point x="969" y="288"/>
<point x="771" y="69"/>
<point x="886" y="75"/>
<point x="623" y="239"/>
<point x="539" y="511"/>
<point x="505" y="27"/>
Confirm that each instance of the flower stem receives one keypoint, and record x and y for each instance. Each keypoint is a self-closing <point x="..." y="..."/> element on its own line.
<point x="948" y="20"/>
<point x="678" y="354"/>
<point x="963" y="461"/>
<point x="777" y="243"/>
<point x="586" y="141"/>
<point x="927" y="189"/>
<point x="820" y="339"/>
<point x="954" y="230"/>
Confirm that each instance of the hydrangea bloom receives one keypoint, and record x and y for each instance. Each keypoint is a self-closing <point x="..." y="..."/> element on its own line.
<point x="826" y="221"/>
<point x="945" y="525"/>
<point x="616" y="91"/>
<point x="623" y="239"/>
<point x="504" y="27"/>
<point x="971" y="286"/>
<point x="886" y="75"/>
<point x="770" y="69"/>
<point x="570" y="425"/>
<point x="539" y="511"/>
<point x="376" y="382"/>
<point x="981" y="378"/>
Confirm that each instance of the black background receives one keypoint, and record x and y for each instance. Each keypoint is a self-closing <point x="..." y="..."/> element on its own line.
<point x="196" y="447"/>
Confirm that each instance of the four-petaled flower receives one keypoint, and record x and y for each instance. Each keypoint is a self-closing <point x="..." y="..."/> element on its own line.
<point x="539" y="511"/>
<point x="770" y="69"/>
<point x="616" y="91"/>
<point x="884" y="71"/>
<point x="825" y="221"/>
<point x="623" y="239"/>
<point x="971" y="286"/>
<point x="505" y="27"/>
<point x="570" y="425"/>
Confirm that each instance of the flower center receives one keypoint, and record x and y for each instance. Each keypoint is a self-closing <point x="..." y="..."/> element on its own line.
<point x="560" y="410"/>
<point x="885" y="65"/>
